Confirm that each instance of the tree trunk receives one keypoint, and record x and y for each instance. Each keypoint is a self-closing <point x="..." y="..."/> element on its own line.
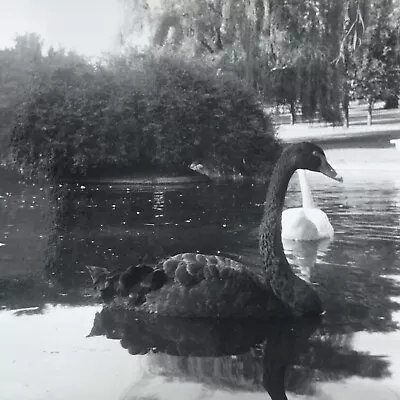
<point x="345" y="110"/>
<point x="293" y="112"/>
<point x="370" y="106"/>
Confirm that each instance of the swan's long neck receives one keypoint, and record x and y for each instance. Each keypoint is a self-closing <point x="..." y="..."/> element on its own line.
<point x="271" y="226"/>
<point x="308" y="201"/>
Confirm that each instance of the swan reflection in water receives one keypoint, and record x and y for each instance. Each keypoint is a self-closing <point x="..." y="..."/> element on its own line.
<point x="231" y="354"/>
<point x="303" y="255"/>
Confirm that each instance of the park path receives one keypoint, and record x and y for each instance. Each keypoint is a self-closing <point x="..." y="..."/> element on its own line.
<point x="385" y="126"/>
<point x="332" y="135"/>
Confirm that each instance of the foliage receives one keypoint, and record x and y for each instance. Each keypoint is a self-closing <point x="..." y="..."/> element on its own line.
<point x="17" y="66"/>
<point x="141" y="111"/>
<point x="326" y="46"/>
<point x="255" y="38"/>
<point x="376" y="71"/>
<point x="213" y="117"/>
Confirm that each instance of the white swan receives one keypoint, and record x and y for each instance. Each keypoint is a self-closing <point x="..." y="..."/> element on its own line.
<point x="307" y="222"/>
<point x="396" y="142"/>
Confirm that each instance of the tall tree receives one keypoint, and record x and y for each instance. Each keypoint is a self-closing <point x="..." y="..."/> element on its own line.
<point x="264" y="40"/>
<point x="376" y="63"/>
<point x="17" y="68"/>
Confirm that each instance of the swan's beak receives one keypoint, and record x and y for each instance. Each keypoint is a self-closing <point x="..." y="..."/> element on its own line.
<point x="327" y="170"/>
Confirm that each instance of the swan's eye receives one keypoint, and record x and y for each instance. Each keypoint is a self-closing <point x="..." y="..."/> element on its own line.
<point x="315" y="153"/>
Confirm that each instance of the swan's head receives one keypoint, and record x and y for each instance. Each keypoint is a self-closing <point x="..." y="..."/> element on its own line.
<point x="307" y="155"/>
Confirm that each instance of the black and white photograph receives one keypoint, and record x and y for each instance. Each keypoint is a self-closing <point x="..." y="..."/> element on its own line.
<point x="199" y="199"/>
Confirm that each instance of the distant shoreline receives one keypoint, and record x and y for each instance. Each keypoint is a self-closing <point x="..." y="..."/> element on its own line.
<point x="145" y="179"/>
<point x="142" y="178"/>
<point x="358" y="135"/>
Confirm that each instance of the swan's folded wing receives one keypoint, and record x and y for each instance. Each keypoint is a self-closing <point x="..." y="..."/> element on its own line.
<point x="208" y="286"/>
<point x="189" y="269"/>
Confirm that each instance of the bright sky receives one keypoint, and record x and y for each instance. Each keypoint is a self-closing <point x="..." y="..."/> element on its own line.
<point x="88" y="26"/>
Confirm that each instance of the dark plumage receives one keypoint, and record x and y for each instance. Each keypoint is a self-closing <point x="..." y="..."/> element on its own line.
<point x="199" y="285"/>
<point x="135" y="282"/>
<point x="131" y="279"/>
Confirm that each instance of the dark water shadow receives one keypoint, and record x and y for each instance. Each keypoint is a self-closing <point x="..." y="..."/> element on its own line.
<point x="240" y="355"/>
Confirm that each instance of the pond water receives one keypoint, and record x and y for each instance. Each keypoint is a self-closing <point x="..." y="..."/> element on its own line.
<point x="57" y="343"/>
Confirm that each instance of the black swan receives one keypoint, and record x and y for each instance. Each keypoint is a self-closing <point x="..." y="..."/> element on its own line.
<point x="198" y="285"/>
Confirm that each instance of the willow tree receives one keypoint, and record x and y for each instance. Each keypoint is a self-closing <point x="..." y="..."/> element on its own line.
<point x="232" y="33"/>
<point x="318" y="39"/>
<point x="354" y="17"/>
<point x="261" y="40"/>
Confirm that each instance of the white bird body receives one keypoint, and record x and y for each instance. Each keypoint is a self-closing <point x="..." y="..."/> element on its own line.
<point x="396" y="142"/>
<point x="307" y="222"/>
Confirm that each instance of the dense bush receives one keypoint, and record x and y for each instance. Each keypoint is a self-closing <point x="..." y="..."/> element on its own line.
<point x="144" y="112"/>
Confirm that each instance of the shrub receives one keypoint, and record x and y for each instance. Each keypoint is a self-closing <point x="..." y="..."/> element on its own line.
<point x="143" y="112"/>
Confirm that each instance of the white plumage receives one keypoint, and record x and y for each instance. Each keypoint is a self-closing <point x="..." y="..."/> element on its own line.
<point x="307" y="222"/>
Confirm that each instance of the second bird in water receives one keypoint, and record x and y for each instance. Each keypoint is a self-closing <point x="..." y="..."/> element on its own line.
<point x="307" y="222"/>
